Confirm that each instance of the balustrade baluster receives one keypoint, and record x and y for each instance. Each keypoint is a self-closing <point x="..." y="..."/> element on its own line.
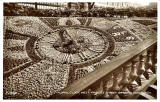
<point x="155" y="60"/>
<point x="99" y="90"/>
<point x="133" y="74"/>
<point x="141" y="78"/>
<point x="106" y="92"/>
<point x="116" y="96"/>
<point x="89" y="94"/>
<point x="149" y="65"/>
<point x="115" y="87"/>
<point x="125" y="81"/>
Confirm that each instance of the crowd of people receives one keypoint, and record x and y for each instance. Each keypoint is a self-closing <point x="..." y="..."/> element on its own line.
<point x="13" y="9"/>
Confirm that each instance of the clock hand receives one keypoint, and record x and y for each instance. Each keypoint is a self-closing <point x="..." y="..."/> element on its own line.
<point x="66" y="40"/>
<point x="61" y="34"/>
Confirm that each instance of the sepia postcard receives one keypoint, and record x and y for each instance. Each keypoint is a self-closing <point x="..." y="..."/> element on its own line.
<point x="80" y="50"/>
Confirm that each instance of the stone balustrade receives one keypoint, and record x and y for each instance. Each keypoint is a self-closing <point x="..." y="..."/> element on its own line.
<point x="124" y="77"/>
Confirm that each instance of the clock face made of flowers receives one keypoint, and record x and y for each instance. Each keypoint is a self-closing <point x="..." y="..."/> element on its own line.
<point x="77" y="45"/>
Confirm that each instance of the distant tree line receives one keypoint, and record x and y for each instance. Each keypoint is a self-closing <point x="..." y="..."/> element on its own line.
<point x="13" y="9"/>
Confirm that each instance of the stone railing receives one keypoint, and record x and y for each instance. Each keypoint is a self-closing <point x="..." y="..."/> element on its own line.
<point x="124" y="77"/>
